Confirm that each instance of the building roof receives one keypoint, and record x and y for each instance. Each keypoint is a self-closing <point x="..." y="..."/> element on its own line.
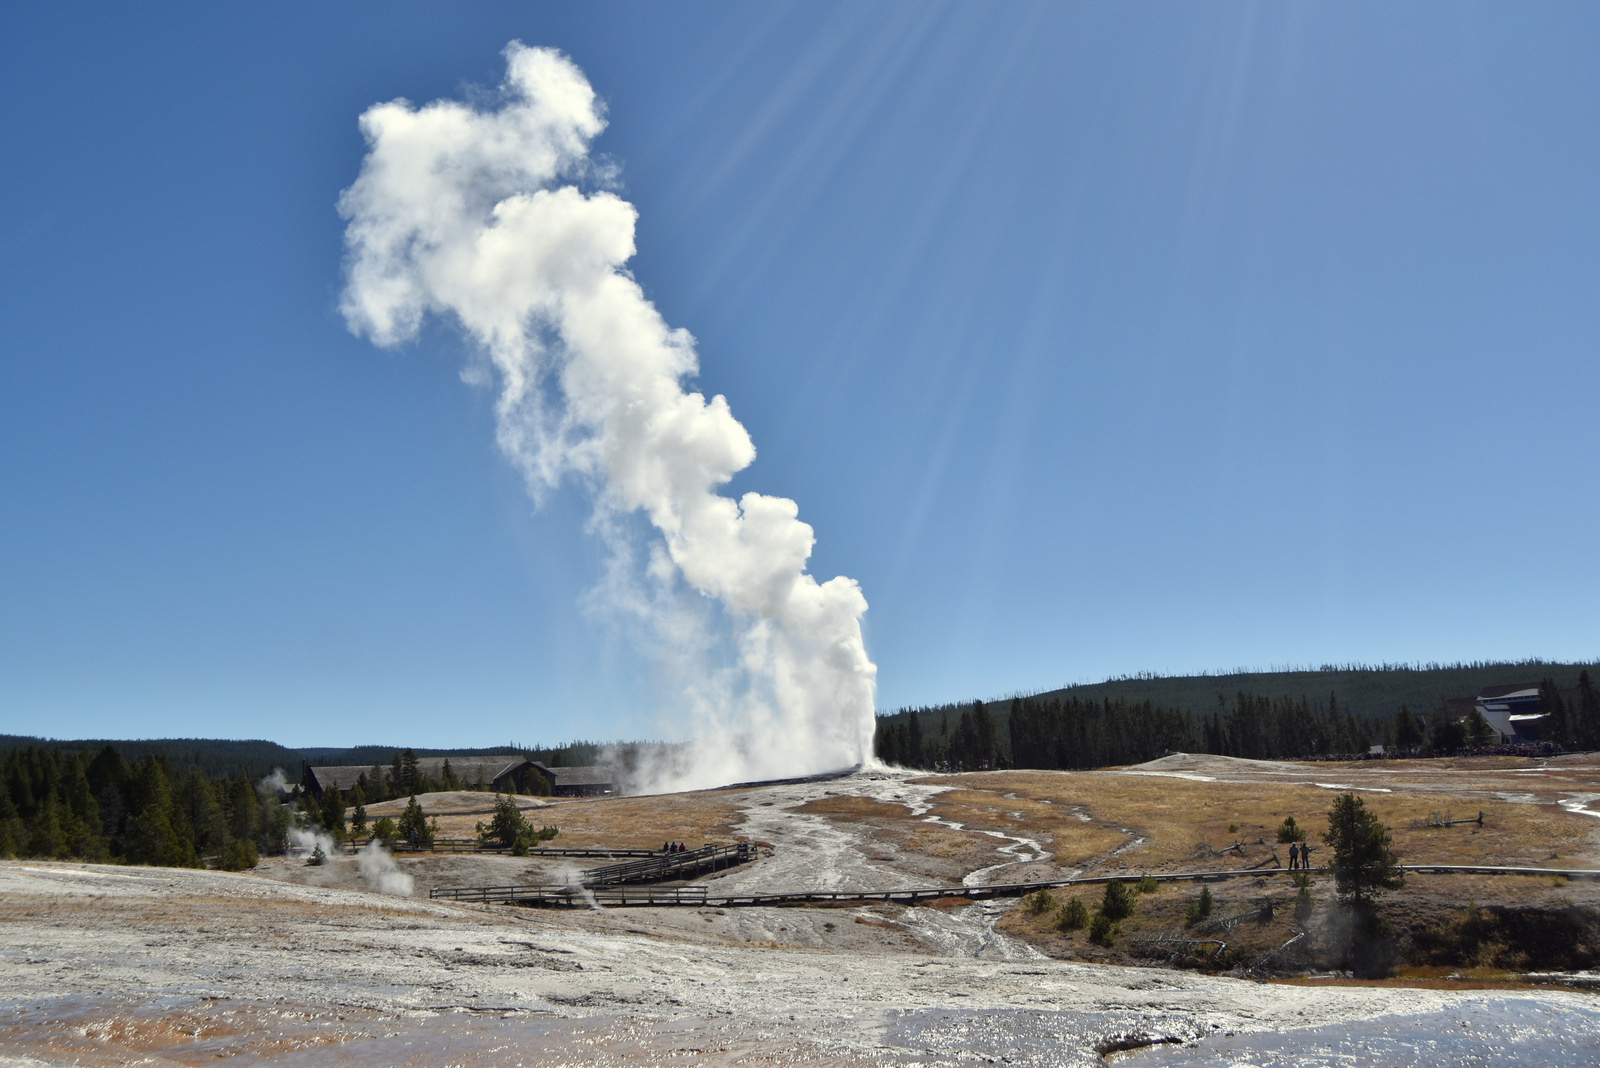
<point x="469" y="769"/>
<point x="1508" y="693"/>
<point x="590" y="775"/>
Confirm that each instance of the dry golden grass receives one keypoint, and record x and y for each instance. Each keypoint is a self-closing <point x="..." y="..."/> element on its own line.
<point x="1031" y="815"/>
<point x="853" y="809"/>
<point x="1175" y="815"/>
<point x="636" y="822"/>
<point x="454" y="803"/>
<point x="893" y="827"/>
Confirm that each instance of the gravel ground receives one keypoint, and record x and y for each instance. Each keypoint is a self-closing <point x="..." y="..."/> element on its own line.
<point x="108" y="965"/>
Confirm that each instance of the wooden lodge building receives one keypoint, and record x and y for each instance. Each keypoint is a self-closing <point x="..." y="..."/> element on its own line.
<point x="594" y="780"/>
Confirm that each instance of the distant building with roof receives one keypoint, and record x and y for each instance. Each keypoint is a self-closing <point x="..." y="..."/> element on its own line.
<point x="1515" y="711"/>
<point x="594" y="780"/>
<point x="500" y="773"/>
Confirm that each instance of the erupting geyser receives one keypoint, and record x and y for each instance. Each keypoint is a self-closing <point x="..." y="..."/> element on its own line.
<point x="478" y="215"/>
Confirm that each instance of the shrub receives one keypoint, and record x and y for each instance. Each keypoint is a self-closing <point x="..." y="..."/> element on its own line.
<point x="319" y="857"/>
<point x="1039" y="901"/>
<point x="1303" y="904"/>
<point x="506" y="828"/>
<point x="1199" y="908"/>
<point x="1102" y="932"/>
<point x="528" y="838"/>
<point x="239" y="855"/>
<point x="1148" y="885"/>
<point x="1288" y="831"/>
<point x="1072" y="916"/>
<point x="1118" y="903"/>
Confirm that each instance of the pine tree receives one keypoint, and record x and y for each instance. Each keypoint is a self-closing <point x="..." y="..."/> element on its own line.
<point x="1117" y="904"/>
<point x="414" y="828"/>
<point x="152" y="838"/>
<point x="447" y="777"/>
<point x="1480" y="734"/>
<point x="197" y="814"/>
<point x="883" y="742"/>
<point x="243" y="809"/>
<point x="45" y="838"/>
<point x="1407" y="734"/>
<point x="983" y="726"/>
<point x="11" y="828"/>
<point x="386" y="833"/>
<point x="1561" y="726"/>
<point x="333" y="811"/>
<point x="1363" y="865"/>
<point x="1587" y="713"/>
<point x="1445" y="733"/>
<point x="508" y="823"/>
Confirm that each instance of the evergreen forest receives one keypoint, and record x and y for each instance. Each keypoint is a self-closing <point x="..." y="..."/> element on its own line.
<point x="59" y="803"/>
<point x="1069" y="730"/>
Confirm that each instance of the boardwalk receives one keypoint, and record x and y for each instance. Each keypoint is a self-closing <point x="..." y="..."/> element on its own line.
<point x="701" y="895"/>
<point x="474" y="845"/>
<point x="659" y="867"/>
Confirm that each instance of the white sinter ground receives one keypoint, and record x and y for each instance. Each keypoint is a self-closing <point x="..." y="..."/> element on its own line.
<point x="106" y="965"/>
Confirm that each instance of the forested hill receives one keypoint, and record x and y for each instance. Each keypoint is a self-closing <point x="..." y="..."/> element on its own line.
<point x="226" y="758"/>
<point x="1253" y="714"/>
<point x="216" y="757"/>
<point x="1367" y="692"/>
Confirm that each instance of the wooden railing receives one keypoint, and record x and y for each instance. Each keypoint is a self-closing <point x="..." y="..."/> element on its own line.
<point x="701" y="895"/>
<point x="662" y="866"/>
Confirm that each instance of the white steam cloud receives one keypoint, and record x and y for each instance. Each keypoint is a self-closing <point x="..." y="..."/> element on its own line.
<point x="381" y="873"/>
<point x="304" y="841"/>
<point x="478" y="215"/>
<point x="274" y="785"/>
<point x="373" y="863"/>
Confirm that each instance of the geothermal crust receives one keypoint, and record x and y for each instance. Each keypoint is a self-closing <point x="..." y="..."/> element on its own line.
<point x="107" y="965"/>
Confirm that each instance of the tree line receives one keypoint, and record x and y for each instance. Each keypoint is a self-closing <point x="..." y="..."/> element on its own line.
<point x="1574" y="722"/>
<point x="58" y="803"/>
<point x="1074" y="733"/>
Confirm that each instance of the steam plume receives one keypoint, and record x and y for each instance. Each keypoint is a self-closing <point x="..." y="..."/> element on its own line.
<point x="381" y="874"/>
<point x="477" y="215"/>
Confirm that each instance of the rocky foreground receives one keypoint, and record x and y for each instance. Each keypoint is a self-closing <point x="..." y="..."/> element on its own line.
<point x="108" y="965"/>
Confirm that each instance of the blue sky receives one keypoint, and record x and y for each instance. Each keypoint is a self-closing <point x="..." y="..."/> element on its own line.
<point x="1091" y="339"/>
